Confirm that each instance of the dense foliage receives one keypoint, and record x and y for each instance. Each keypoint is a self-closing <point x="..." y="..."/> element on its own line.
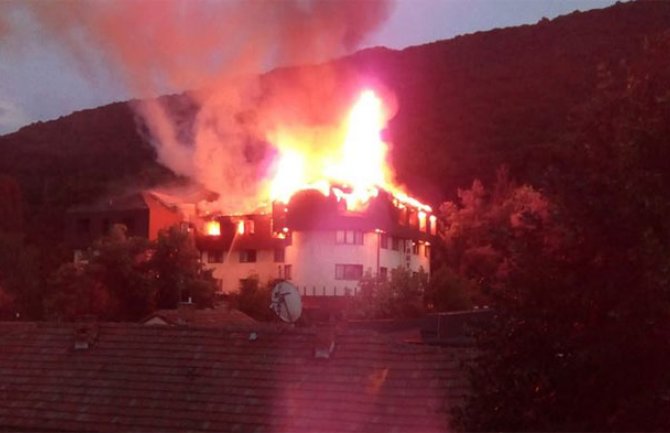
<point x="254" y="299"/>
<point x="399" y="296"/>
<point x="580" y="341"/>
<point x="126" y="278"/>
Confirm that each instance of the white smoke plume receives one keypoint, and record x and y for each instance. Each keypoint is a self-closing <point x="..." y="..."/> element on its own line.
<point x="216" y="49"/>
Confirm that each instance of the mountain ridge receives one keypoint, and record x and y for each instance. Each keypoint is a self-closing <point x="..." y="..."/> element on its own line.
<point x="465" y="106"/>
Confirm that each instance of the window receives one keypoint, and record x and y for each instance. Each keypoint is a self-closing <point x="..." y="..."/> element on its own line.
<point x="384" y="241"/>
<point x="288" y="271"/>
<point x="247" y="256"/>
<point x="383" y="273"/>
<point x="348" y="272"/>
<point x="415" y="248"/>
<point x="426" y="250"/>
<point x="351" y="237"/>
<point x="397" y="244"/>
<point x="215" y="256"/>
<point x="280" y="254"/>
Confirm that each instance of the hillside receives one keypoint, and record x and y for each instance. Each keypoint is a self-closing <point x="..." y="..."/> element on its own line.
<point x="466" y="105"/>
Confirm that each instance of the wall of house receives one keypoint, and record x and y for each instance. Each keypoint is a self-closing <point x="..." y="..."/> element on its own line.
<point x="314" y="256"/>
<point x="231" y="270"/>
<point x="161" y="217"/>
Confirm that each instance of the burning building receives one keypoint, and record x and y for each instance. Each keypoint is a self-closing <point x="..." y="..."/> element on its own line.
<point x="335" y="216"/>
<point x="318" y="243"/>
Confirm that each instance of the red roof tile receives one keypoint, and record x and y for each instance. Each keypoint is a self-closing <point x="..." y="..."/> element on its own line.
<point x="140" y="378"/>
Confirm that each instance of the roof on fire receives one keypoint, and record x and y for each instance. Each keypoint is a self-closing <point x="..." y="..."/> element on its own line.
<point x="134" y="377"/>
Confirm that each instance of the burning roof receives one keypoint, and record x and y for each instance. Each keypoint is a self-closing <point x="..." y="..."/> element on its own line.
<point x="352" y="166"/>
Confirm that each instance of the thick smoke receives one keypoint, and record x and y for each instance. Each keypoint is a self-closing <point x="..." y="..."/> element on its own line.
<point x="215" y="49"/>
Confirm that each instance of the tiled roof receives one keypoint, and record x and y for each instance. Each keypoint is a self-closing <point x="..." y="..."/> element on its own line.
<point x="217" y="316"/>
<point x="141" y="378"/>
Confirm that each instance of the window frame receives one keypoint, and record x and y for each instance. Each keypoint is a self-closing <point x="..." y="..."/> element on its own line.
<point x="247" y="256"/>
<point x="348" y="272"/>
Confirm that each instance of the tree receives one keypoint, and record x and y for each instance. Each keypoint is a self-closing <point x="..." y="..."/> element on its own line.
<point x="448" y="291"/>
<point x="399" y="297"/>
<point x="478" y="240"/>
<point x="11" y="212"/>
<point x="254" y="299"/>
<point x="74" y="294"/>
<point x="175" y="262"/>
<point x="580" y="339"/>
<point x="21" y="290"/>
<point x="121" y="265"/>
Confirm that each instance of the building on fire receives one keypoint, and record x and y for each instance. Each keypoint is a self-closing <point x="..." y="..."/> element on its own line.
<point x="318" y="244"/>
<point x="314" y="241"/>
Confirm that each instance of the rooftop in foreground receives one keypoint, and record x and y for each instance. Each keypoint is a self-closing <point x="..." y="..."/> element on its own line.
<point x="112" y="377"/>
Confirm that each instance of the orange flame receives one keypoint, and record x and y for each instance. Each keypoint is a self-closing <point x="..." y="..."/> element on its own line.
<point x="353" y="170"/>
<point x="213" y="228"/>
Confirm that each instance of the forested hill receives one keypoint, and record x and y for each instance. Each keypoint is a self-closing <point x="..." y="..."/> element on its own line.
<point x="466" y="105"/>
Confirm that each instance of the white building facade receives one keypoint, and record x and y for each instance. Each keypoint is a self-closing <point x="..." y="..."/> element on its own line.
<point x="318" y="245"/>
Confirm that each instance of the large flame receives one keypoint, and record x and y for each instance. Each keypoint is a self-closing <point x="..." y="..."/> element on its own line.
<point x="353" y="168"/>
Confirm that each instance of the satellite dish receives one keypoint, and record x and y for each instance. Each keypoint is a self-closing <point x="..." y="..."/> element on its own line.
<point x="286" y="302"/>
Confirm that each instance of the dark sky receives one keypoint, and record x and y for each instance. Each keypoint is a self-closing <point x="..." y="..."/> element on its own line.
<point x="40" y="81"/>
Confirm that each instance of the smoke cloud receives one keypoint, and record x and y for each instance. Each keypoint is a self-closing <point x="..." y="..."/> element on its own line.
<point x="216" y="49"/>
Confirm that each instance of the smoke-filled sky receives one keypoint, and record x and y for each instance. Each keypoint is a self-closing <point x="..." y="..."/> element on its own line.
<point x="58" y="57"/>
